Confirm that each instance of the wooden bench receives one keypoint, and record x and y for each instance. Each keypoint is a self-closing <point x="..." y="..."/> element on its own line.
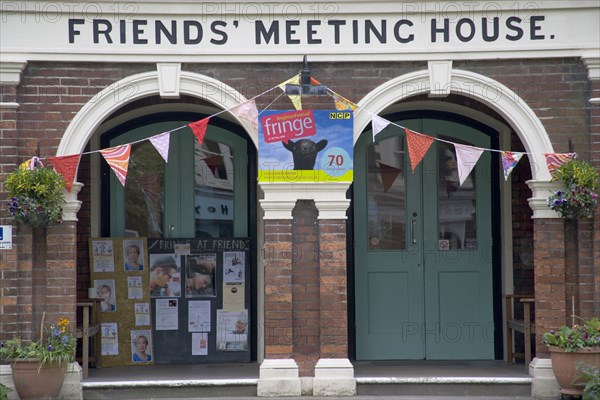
<point x="89" y="329"/>
<point x="525" y="326"/>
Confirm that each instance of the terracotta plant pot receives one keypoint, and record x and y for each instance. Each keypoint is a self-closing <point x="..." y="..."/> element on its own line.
<point x="33" y="384"/>
<point x="564" y="366"/>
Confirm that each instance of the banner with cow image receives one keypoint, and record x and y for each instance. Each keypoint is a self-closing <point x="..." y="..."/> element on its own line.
<point x="305" y="146"/>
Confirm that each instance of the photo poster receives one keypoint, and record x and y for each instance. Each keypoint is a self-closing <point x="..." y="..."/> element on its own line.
<point x="305" y="146"/>
<point x="184" y="326"/>
<point x="123" y="290"/>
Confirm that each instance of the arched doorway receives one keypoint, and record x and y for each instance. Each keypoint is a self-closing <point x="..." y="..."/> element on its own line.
<point x="423" y="263"/>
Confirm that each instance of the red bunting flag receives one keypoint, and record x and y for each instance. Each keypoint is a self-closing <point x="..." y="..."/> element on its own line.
<point x="388" y="175"/>
<point x="199" y="128"/>
<point x="555" y="160"/>
<point x="118" y="159"/>
<point x="418" y="144"/>
<point x="66" y="166"/>
<point x="212" y="163"/>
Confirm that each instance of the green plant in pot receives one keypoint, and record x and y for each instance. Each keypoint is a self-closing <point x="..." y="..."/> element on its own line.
<point x="569" y="346"/>
<point x="38" y="367"/>
<point x="579" y="197"/>
<point x="35" y="193"/>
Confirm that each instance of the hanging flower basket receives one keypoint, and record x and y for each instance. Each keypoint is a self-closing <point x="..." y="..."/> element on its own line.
<point x="579" y="198"/>
<point x="35" y="195"/>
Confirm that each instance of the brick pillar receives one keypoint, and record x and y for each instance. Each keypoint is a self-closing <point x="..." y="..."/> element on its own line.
<point x="305" y="287"/>
<point x="278" y="288"/>
<point x="595" y="158"/>
<point x="333" y="288"/>
<point x="551" y="303"/>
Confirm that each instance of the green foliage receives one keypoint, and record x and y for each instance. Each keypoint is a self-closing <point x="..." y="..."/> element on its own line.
<point x="36" y="196"/>
<point x="57" y="348"/>
<point x="579" y="198"/>
<point x="578" y="173"/>
<point x="4" y="391"/>
<point x="572" y="338"/>
<point x="591" y="377"/>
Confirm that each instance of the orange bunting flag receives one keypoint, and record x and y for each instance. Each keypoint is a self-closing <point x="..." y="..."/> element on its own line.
<point x="418" y="144"/>
<point x="388" y="175"/>
<point x="199" y="128"/>
<point x="555" y="160"/>
<point x="118" y="159"/>
<point x="66" y="166"/>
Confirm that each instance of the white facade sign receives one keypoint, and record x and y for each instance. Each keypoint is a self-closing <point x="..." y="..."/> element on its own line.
<point x="265" y="31"/>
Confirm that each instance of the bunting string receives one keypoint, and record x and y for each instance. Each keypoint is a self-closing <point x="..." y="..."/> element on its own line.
<point x="419" y="143"/>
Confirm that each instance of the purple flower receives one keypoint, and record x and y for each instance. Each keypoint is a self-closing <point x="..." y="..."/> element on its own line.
<point x="552" y="331"/>
<point x="49" y="347"/>
<point x="559" y="193"/>
<point x="556" y="202"/>
<point x="2" y="343"/>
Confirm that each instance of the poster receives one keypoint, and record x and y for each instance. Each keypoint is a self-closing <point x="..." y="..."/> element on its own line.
<point x="232" y="330"/>
<point x="234" y="265"/>
<point x="109" y="339"/>
<point x="141" y="346"/>
<point x="133" y="254"/>
<point x="165" y="276"/>
<point x="142" y="314"/>
<point x="105" y="290"/>
<point x="199" y="316"/>
<point x="200" y="343"/>
<point x="103" y="256"/>
<point x="233" y="296"/>
<point x="200" y="275"/>
<point x="305" y="146"/>
<point x="167" y="317"/>
<point x="134" y="287"/>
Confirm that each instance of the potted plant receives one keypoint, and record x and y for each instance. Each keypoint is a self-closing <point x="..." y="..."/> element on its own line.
<point x="579" y="197"/>
<point x="591" y="377"/>
<point x="38" y="368"/>
<point x="35" y="193"/>
<point x="4" y="391"/>
<point x="570" y="345"/>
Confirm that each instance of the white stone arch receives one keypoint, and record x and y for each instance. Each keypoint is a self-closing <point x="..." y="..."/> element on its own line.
<point x="138" y="86"/>
<point x="488" y="91"/>
<point x="129" y="89"/>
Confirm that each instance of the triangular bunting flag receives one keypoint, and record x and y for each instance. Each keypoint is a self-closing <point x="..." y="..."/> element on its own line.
<point x="509" y="161"/>
<point x="555" y="160"/>
<point x="199" y="128"/>
<point x="466" y="158"/>
<point x="388" y="175"/>
<point x="342" y="103"/>
<point x="378" y="124"/>
<point x="295" y="98"/>
<point x="66" y="166"/>
<point x="248" y="111"/>
<point x="418" y="145"/>
<point x="118" y="159"/>
<point x="212" y="163"/>
<point x="161" y="144"/>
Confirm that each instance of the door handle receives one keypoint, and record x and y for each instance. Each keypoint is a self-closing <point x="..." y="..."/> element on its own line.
<point x="412" y="231"/>
<point x="171" y="229"/>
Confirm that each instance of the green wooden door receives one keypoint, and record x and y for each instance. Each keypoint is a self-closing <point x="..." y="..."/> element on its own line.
<point x="423" y="267"/>
<point x="200" y="192"/>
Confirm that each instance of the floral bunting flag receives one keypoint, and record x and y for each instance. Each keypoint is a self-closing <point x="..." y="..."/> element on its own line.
<point x="295" y="98"/>
<point x="466" y="158"/>
<point x="555" y="160"/>
<point x="66" y="166"/>
<point x="199" y="128"/>
<point x="248" y="111"/>
<point x="342" y="103"/>
<point x="118" y="159"/>
<point x="161" y="144"/>
<point x="509" y="161"/>
<point x="378" y="124"/>
<point x="388" y="175"/>
<point x="418" y="144"/>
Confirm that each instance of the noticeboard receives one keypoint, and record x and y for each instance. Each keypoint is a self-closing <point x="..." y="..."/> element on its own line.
<point x="192" y="306"/>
